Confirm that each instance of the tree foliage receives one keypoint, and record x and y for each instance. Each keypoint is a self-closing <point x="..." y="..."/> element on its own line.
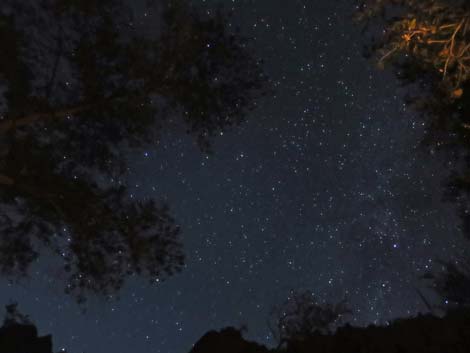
<point x="452" y="283"/>
<point x="427" y="44"/>
<point x="80" y="84"/>
<point x="434" y="33"/>
<point x="300" y="315"/>
<point x="14" y="317"/>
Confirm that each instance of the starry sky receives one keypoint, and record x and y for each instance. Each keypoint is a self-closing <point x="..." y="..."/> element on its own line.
<point x="325" y="188"/>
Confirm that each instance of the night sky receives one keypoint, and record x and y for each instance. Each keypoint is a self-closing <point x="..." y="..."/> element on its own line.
<point x="324" y="188"/>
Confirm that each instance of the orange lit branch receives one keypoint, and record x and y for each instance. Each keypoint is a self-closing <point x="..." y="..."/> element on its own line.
<point x="444" y="46"/>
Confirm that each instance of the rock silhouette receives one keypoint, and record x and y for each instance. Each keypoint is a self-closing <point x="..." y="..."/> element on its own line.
<point x="23" y="338"/>
<point x="227" y="340"/>
<point x="421" y="334"/>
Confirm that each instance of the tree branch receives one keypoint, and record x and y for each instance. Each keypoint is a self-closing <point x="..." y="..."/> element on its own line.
<point x="11" y="124"/>
<point x="8" y="125"/>
<point x="5" y="180"/>
<point x="50" y="85"/>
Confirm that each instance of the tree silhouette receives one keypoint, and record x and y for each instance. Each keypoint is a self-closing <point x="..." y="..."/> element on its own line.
<point x="14" y="317"/>
<point x="427" y="44"/>
<point x="300" y="315"/>
<point x="80" y="85"/>
<point x="452" y="283"/>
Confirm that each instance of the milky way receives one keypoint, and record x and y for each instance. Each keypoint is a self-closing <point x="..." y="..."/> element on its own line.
<point x="325" y="187"/>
